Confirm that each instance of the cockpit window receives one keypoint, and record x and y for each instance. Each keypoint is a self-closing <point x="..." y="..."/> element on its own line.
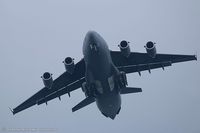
<point x="111" y="83"/>
<point x="99" y="86"/>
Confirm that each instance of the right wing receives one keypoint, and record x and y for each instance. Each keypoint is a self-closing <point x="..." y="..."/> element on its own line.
<point x="65" y="83"/>
<point x="137" y="62"/>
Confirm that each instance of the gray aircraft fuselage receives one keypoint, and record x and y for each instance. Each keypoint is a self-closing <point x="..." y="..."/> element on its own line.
<point x="100" y="68"/>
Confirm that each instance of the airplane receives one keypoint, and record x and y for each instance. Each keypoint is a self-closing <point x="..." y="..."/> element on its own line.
<point x="101" y="74"/>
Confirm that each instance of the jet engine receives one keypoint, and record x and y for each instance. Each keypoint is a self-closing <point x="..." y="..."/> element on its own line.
<point x="125" y="48"/>
<point x="47" y="80"/>
<point x="69" y="65"/>
<point x="151" y="49"/>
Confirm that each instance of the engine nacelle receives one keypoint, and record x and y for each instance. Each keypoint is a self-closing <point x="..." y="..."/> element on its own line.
<point x="47" y="80"/>
<point x="69" y="65"/>
<point x="151" y="49"/>
<point x="125" y="48"/>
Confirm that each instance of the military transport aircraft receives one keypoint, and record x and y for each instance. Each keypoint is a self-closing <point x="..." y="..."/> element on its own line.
<point x="101" y="74"/>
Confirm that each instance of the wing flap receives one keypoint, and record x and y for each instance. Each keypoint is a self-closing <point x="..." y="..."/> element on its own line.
<point x="62" y="91"/>
<point x="142" y="67"/>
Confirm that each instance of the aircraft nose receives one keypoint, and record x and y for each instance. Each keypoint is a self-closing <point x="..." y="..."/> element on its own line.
<point x="90" y="34"/>
<point x="91" y="40"/>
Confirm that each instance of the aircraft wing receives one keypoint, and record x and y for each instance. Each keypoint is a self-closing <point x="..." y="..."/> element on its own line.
<point x="65" y="83"/>
<point x="137" y="62"/>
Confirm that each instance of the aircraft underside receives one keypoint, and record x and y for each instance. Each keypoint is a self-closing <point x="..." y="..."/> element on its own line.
<point x="101" y="74"/>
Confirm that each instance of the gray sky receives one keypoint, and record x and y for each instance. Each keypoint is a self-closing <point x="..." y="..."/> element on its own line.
<point x="36" y="36"/>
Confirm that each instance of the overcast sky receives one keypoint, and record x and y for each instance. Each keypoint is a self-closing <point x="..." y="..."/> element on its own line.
<point x="36" y="36"/>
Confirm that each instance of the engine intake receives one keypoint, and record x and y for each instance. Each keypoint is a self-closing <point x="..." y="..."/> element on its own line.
<point x="47" y="80"/>
<point x="125" y="48"/>
<point x="151" y="49"/>
<point x="69" y="65"/>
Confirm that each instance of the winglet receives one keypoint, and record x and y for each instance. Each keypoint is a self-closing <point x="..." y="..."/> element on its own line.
<point x="11" y="111"/>
<point x="195" y="56"/>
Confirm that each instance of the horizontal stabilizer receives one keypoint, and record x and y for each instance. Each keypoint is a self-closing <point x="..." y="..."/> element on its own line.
<point x="128" y="90"/>
<point x="85" y="102"/>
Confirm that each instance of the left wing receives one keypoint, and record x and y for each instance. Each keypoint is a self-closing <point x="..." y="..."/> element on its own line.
<point x="65" y="83"/>
<point x="137" y="62"/>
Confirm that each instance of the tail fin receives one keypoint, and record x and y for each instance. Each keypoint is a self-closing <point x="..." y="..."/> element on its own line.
<point x="85" y="102"/>
<point x="128" y="90"/>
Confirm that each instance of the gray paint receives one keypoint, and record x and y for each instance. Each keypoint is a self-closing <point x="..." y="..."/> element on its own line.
<point x="99" y="67"/>
<point x="36" y="36"/>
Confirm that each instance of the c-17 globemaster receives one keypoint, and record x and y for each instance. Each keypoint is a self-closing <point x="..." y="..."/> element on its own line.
<point x="101" y="74"/>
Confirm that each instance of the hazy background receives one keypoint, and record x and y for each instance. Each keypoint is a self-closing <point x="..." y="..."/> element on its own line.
<point x="36" y="36"/>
